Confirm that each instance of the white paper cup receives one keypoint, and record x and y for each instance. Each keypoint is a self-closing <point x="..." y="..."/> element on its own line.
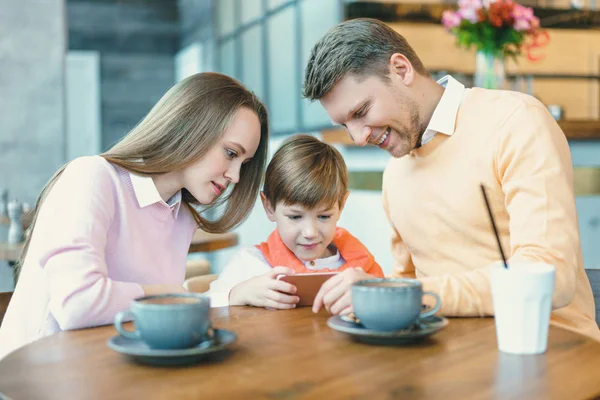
<point x="522" y="296"/>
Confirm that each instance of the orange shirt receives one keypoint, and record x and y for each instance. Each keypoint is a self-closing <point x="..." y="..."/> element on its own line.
<point x="351" y="249"/>
<point x="441" y="231"/>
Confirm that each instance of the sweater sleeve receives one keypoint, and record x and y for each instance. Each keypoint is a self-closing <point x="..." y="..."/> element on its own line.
<point x="533" y="166"/>
<point x="71" y="232"/>
<point x="403" y="266"/>
<point x="245" y="264"/>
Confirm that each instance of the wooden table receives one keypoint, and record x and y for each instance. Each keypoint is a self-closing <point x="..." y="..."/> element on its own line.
<point x="294" y="355"/>
<point x="205" y="242"/>
<point x="201" y="242"/>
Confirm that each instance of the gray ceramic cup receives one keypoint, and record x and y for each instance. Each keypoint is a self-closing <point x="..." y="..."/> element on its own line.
<point x="390" y="304"/>
<point x="168" y="321"/>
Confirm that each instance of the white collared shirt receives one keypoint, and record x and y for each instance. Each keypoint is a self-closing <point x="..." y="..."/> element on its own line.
<point x="249" y="262"/>
<point x="147" y="194"/>
<point x="443" y="119"/>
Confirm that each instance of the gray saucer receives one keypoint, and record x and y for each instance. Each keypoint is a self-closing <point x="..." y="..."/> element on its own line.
<point x="419" y="331"/>
<point x="139" y="351"/>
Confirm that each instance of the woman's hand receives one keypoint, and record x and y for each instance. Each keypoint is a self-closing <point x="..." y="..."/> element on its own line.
<point x="335" y="295"/>
<point x="265" y="291"/>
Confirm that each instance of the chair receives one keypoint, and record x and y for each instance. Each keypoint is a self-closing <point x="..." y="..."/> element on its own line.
<point x="4" y="300"/>
<point x="196" y="268"/>
<point x="594" y="277"/>
<point x="199" y="284"/>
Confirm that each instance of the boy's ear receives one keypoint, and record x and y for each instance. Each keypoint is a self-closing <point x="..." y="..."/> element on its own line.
<point x="267" y="206"/>
<point x="343" y="201"/>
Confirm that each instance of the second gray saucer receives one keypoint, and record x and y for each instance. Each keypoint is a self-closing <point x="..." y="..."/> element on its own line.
<point x="424" y="328"/>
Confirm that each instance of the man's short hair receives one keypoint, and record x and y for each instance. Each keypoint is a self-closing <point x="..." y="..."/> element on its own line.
<point x="361" y="47"/>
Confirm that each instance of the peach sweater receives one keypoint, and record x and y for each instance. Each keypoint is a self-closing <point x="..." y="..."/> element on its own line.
<point x="441" y="231"/>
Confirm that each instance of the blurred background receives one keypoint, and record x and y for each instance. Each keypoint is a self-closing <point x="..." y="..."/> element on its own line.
<point x="77" y="75"/>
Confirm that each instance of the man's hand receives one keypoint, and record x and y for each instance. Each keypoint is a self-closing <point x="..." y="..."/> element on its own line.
<point x="335" y="294"/>
<point x="266" y="291"/>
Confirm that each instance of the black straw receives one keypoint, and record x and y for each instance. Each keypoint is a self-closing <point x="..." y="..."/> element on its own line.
<point x="487" y="204"/>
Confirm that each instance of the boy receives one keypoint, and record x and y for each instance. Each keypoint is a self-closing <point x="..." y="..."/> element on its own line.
<point x="306" y="186"/>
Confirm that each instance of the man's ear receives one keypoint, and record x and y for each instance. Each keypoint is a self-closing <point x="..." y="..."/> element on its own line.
<point x="402" y="69"/>
<point x="343" y="201"/>
<point x="267" y="206"/>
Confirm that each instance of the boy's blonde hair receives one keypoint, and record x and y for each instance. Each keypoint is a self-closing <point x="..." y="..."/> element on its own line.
<point x="307" y="172"/>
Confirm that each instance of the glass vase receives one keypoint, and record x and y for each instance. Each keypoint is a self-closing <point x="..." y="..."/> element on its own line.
<point x="489" y="70"/>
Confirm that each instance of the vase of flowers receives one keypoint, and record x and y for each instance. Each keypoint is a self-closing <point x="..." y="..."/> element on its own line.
<point x="497" y="29"/>
<point x="489" y="70"/>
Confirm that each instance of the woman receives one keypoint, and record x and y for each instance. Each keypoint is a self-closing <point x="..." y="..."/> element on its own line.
<point x="117" y="226"/>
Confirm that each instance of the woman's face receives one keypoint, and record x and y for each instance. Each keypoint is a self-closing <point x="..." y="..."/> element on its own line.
<point x="210" y="176"/>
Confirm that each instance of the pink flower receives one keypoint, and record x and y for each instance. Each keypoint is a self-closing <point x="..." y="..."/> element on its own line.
<point x="522" y="25"/>
<point x="450" y="19"/>
<point x="520" y="12"/>
<point x="486" y="3"/>
<point x="469" y="4"/>
<point x="535" y="23"/>
<point x="470" y="14"/>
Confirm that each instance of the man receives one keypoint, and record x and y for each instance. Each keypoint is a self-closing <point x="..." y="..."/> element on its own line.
<point x="447" y="140"/>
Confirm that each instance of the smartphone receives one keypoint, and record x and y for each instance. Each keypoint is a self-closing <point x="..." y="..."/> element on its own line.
<point x="307" y="285"/>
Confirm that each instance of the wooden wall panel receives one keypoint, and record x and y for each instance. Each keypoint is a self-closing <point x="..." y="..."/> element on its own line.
<point x="578" y="97"/>
<point x="436" y="47"/>
<point x="586" y="4"/>
<point x="570" y="52"/>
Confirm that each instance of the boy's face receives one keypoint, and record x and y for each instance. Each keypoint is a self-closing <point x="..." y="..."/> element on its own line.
<point x="307" y="233"/>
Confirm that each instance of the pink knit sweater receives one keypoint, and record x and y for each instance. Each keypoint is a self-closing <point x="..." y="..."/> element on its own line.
<point x="97" y="239"/>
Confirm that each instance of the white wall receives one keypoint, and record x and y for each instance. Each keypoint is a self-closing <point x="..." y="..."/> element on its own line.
<point x="32" y="107"/>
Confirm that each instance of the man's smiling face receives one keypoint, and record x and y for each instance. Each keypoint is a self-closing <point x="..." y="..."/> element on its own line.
<point x="376" y="111"/>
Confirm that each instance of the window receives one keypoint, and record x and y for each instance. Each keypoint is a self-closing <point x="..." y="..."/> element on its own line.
<point x="265" y="44"/>
<point x="284" y="93"/>
<point x="227" y="58"/>
<point x="317" y="18"/>
<point x="225" y="16"/>
<point x="252" y="60"/>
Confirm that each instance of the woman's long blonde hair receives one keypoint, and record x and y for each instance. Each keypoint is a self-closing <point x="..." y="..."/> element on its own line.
<point x="179" y="130"/>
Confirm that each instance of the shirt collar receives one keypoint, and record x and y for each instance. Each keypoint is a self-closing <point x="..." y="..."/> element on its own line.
<point x="443" y="119"/>
<point x="147" y="194"/>
<point x="331" y="262"/>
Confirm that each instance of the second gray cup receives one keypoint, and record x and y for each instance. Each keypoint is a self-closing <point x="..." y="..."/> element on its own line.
<point x="390" y="304"/>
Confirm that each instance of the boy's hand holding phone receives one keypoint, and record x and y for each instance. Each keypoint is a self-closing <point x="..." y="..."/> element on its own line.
<point x="266" y="291"/>
<point x="335" y="294"/>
